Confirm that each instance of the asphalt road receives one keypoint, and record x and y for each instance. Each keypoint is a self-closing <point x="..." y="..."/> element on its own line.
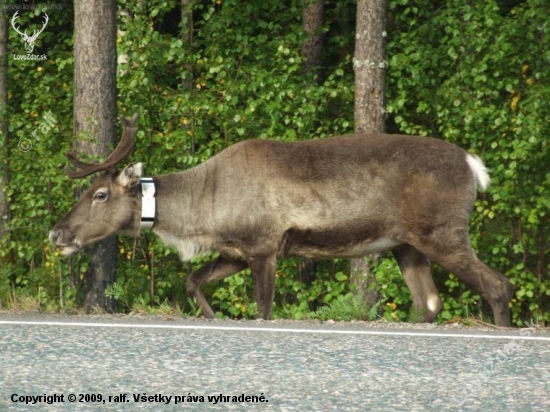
<point x="135" y="364"/>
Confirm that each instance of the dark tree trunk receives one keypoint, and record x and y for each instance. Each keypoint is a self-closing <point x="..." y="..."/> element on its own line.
<point x="187" y="35"/>
<point x="312" y="48"/>
<point x="4" y="178"/>
<point x="369" y="65"/>
<point x="312" y="51"/>
<point x="95" y="122"/>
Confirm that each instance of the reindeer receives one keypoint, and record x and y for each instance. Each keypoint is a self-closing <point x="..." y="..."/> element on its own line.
<point x="29" y="40"/>
<point x="259" y="200"/>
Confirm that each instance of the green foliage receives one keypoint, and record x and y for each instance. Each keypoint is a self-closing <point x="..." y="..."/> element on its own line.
<point x="454" y="75"/>
<point x="470" y="72"/>
<point x="36" y="188"/>
<point x="232" y="298"/>
<point x="393" y="290"/>
<point x="461" y="303"/>
<point x="297" y="295"/>
<point x="118" y="291"/>
<point x="347" y="307"/>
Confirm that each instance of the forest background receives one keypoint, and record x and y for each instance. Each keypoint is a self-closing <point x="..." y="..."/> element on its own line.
<point x="471" y="72"/>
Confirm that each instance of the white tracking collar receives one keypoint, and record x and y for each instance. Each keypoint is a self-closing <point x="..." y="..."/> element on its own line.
<point x="148" y="205"/>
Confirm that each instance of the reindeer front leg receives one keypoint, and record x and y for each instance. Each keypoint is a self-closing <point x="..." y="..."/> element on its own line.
<point x="263" y="275"/>
<point x="216" y="270"/>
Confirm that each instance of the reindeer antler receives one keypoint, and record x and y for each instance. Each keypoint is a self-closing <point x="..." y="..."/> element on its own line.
<point x="37" y="32"/>
<point x="123" y="150"/>
<point x="15" y="17"/>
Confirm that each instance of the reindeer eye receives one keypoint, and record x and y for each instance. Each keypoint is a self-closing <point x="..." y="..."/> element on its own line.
<point x="100" y="196"/>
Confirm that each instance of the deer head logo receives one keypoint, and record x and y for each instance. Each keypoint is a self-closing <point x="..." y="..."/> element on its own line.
<point x="29" y="40"/>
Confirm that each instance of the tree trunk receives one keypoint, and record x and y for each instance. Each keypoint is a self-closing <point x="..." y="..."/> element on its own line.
<point x="369" y="65"/>
<point x="312" y="48"/>
<point x="187" y="35"/>
<point x="187" y="49"/>
<point x="4" y="204"/>
<point x="95" y="122"/>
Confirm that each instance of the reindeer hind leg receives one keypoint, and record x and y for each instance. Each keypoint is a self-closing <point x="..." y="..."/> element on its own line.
<point x="416" y="270"/>
<point x="450" y="247"/>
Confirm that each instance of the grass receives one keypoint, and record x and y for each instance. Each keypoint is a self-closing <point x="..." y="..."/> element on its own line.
<point x="140" y="306"/>
<point x="22" y="302"/>
<point x="345" y="308"/>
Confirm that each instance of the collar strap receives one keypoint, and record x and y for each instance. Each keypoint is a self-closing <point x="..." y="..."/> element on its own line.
<point x="148" y="205"/>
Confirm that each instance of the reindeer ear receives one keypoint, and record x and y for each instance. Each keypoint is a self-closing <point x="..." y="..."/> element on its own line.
<point x="130" y="175"/>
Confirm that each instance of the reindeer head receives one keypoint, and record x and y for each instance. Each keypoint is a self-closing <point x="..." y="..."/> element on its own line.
<point x="29" y="40"/>
<point x="110" y="205"/>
